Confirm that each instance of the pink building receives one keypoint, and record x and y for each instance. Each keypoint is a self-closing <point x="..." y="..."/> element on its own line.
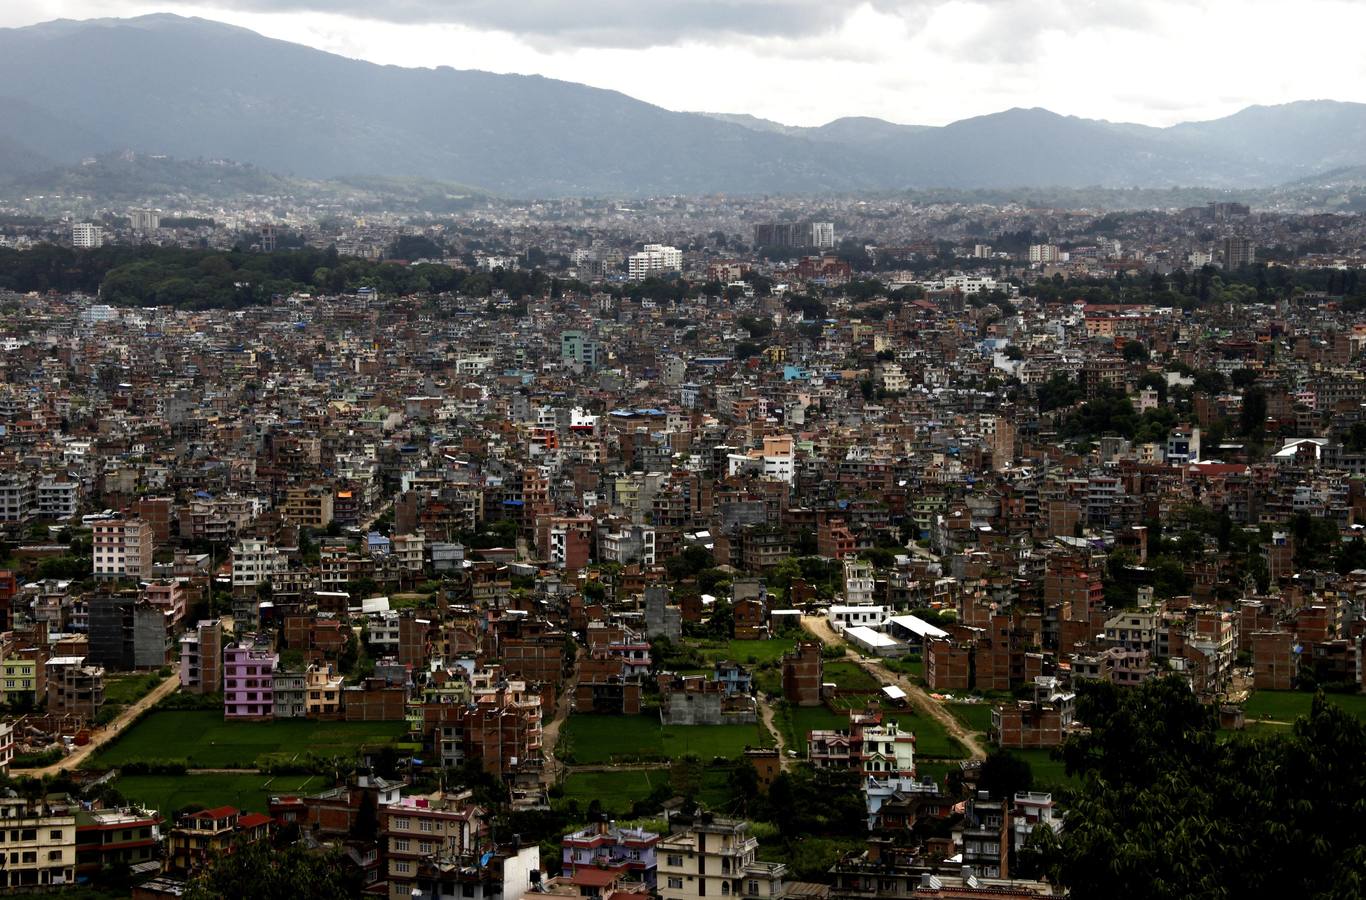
<point x="169" y="597"/>
<point x="248" y="679"/>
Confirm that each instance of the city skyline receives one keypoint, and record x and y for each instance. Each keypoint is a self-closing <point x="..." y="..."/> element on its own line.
<point x="799" y="63"/>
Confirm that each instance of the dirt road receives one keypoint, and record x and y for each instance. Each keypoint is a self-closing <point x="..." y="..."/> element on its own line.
<point x="917" y="695"/>
<point x="766" y="716"/>
<point x="109" y="732"/>
<point x="550" y="731"/>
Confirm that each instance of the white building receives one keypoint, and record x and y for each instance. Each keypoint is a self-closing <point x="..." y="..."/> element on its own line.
<point x="87" y="236"/>
<point x="823" y="235"/>
<point x="1044" y="253"/>
<point x="123" y="549"/>
<point x="842" y="617"/>
<point x="655" y="259"/>
<point x="255" y="562"/>
<point x="58" y="498"/>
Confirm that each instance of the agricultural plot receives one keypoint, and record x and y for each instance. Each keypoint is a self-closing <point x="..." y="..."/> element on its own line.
<point x="202" y="740"/>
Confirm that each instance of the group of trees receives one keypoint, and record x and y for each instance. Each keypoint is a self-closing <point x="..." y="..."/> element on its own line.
<point x="1169" y="809"/>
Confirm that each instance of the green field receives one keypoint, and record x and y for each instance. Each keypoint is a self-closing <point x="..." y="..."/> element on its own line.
<point x="797" y="722"/>
<point x="603" y="739"/>
<point x="912" y="667"/>
<point x="1049" y="774"/>
<point x="974" y="716"/>
<point x="126" y="689"/>
<point x="1287" y="706"/>
<point x="849" y="676"/>
<point x="931" y="738"/>
<point x="616" y="791"/>
<point x="745" y="652"/>
<point x="204" y="741"/>
<point x="168" y="793"/>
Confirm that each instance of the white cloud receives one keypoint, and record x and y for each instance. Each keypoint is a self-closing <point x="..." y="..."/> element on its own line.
<point x="806" y="62"/>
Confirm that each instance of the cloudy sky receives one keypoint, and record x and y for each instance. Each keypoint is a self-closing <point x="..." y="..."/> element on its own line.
<point x="805" y="62"/>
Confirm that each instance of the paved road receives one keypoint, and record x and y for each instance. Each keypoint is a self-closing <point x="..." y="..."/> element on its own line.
<point x="110" y="731"/>
<point x="820" y="627"/>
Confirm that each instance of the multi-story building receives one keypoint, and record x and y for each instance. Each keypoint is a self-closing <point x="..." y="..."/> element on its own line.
<point x="40" y="845"/>
<point x="803" y="674"/>
<point x="201" y="657"/>
<point x="86" y="236"/>
<point x="18" y="498"/>
<point x="323" y="688"/>
<point x="111" y="838"/>
<point x="707" y="856"/>
<point x="200" y="837"/>
<point x="605" y="845"/>
<point x="308" y="507"/>
<point x="122" y="549"/>
<point x="248" y="679"/>
<point x="424" y="829"/>
<point x="653" y="259"/>
<point x="254" y="563"/>
<point x="58" y="497"/>
<point x="6" y="746"/>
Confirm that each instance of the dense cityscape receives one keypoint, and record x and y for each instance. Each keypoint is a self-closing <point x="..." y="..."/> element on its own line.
<point x="424" y="477"/>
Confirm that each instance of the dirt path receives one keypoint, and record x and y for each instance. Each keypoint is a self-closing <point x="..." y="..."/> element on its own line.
<point x="766" y="716"/>
<point x="550" y="731"/>
<point x="917" y="695"/>
<point x="109" y="732"/>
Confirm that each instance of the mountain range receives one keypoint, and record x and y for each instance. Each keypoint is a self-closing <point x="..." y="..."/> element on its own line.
<point x="196" y="89"/>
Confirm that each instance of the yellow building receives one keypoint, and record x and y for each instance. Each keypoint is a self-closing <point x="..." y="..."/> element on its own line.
<point x="39" y="842"/>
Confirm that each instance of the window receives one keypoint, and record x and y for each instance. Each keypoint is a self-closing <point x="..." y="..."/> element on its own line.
<point x="54" y="855"/>
<point x="725" y="889"/>
<point x="401" y="823"/>
<point x="754" y="888"/>
<point x="675" y="884"/>
<point x="425" y="824"/>
<point x="675" y="861"/>
<point x="401" y="845"/>
<point x="402" y="866"/>
<point x="467" y="890"/>
<point x="55" y="834"/>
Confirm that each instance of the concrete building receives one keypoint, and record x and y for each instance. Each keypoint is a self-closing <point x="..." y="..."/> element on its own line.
<point x="86" y="236"/>
<point x="653" y="259"/>
<point x="201" y="657"/>
<point x="604" y="845"/>
<point x="707" y="857"/>
<point x="40" y="845"/>
<point x="803" y="674"/>
<point x="122" y="549"/>
<point x="248" y="679"/>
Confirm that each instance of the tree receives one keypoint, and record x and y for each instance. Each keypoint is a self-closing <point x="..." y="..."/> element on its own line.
<point x="260" y="871"/>
<point x="1004" y="774"/>
<point x="1134" y="351"/>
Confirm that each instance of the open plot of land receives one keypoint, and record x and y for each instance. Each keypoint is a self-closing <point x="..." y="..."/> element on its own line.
<point x="616" y="791"/>
<point x="168" y="793"/>
<point x="746" y="652"/>
<point x="799" y="721"/>
<point x="125" y="689"/>
<point x="1287" y="706"/>
<point x="974" y="716"/>
<point x="604" y="739"/>
<point x="848" y="676"/>
<point x="204" y="741"/>
<point x="1049" y="773"/>
<point x="932" y="739"/>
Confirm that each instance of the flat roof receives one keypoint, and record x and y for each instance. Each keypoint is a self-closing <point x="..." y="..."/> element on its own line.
<point x="919" y="626"/>
<point x="865" y="635"/>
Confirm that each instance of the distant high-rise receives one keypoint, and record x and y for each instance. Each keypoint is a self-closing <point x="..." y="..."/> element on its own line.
<point x="655" y="259"/>
<point x="795" y="234"/>
<point x="1043" y="253"/>
<point x="87" y="236"/>
<point x="144" y="220"/>
<point x="1238" y="252"/>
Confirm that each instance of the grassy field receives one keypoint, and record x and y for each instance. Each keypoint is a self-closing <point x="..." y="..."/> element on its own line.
<point x="850" y="676"/>
<point x="616" y="791"/>
<point x="1287" y="706"/>
<point x="168" y="793"/>
<point x="1049" y="774"/>
<point x="912" y="667"/>
<point x="798" y="721"/>
<point x="204" y="741"/>
<point x="126" y="689"/>
<point x="746" y="652"/>
<point x="931" y="738"/>
<point x="974" y="716"/>
<point x="604" y="739"/>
